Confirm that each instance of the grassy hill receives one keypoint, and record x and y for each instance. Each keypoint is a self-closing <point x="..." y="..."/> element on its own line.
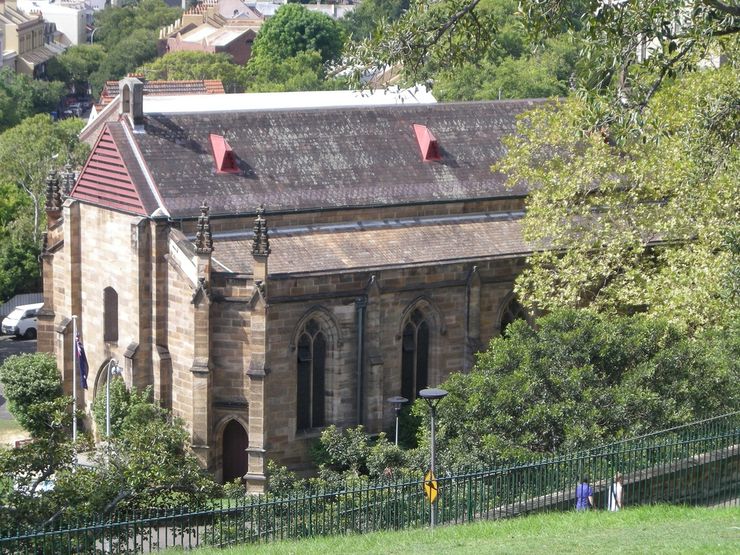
<point x="656" y="529"/>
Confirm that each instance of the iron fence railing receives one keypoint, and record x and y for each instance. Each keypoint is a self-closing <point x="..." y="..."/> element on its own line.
<point x="695" y="464"/>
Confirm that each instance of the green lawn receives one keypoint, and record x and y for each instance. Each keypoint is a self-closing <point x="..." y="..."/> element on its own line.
<point x="650" y="530"/>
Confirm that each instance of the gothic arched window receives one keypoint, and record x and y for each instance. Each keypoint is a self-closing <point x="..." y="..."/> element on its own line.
<point x="110" y="314"/>
<point x="513" y="311"/>
<point x="311" y="377"/>
<point x="414" y="355"/>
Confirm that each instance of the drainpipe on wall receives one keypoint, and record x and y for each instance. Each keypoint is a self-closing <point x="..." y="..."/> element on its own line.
<point x="361" y="306"/>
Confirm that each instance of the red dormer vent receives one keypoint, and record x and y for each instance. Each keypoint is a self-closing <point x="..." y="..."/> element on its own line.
<point x="427" y="143"/>
<point x="223" y="155"/>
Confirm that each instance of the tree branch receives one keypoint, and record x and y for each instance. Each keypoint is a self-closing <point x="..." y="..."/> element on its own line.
<point x="451" y="22"/>
<point x="724" y="8"/>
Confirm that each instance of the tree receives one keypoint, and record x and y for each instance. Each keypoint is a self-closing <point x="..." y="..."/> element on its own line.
<point x="368" y="15"/>
<point x="617" y="79"/>
<point x="673" y="35"/>
<point x="294" y="29"/>
<point x="30" y="381"/>
<point x="19" y="266"/>
<point x="75" y="65"/>
<point x="132" y="51"/>
<point x="303" y="72"/>
<point x="196" y="65"/>
<point x="114" y="25"/>
<point x="31" y="149"/>
<point x="21" y="97"/>
<point x="147" y="463"/>
<point x="122" y="401"/>
<point x="129" y="36"/>
<point x="638" y="224"/>
<point x="579" y="380"/>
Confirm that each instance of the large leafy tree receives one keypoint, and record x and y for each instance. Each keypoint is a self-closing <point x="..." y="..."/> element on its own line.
<point x="30" y="150"/>
<point x="75" y="65"/>
<point x="639" y="223"/>
<point x="368" y="15"/>
<point x="303" y="72"/>
<point x="146" y="464"/>
<point x="580" y="380"/>
<point x="294" y="29"/>
<point x="611" y="36"/>
<point x="22" y="97"/>
<point x="129" y="35"/>
<point x="196" y="65"/>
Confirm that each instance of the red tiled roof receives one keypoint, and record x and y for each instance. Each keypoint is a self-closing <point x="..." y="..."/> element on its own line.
<point x="165" y="88"/>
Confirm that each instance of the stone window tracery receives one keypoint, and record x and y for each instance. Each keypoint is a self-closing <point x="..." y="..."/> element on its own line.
<point x="512" y="312"/>
<point x="311" y="370"/>
<point x="414" y="355"/>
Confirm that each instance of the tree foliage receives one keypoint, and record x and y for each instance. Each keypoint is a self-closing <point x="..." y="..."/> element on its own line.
<point x="369" y="15"/>
<point x="579" y="380"/>
<point x="31" y="149"/>
<point x="76" y="64"/>
<point x="294" y="29"/>
<point x="30" y="381"/>
<point x="129" y="36"/>
<point x="116" y="24"/>
<point x="122" y="403"/>
<point x="674" y="35"/>
<point x="637" y="224"/>
<point x="19" y="266"/>
<point x="21" y="97"/>
<point x="303" y="72"/>
<point x="147" y="463"/>
<point x="196" y="65"/>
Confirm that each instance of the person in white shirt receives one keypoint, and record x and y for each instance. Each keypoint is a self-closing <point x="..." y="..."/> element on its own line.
<point x="615" y="493"/>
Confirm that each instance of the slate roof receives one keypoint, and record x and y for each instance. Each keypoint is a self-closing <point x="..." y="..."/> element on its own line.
<point x="377" y="245"/>
<point x="292" y="160"/>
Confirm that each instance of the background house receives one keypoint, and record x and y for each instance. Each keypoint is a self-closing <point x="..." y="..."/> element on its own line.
<point x="71" y="17"/>
<point x="383" y="259"/>
<point x="204" y="29"/>
<point x="28" y="45"/>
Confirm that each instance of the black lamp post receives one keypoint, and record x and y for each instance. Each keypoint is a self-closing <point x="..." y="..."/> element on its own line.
<point x="432" y="396"/>
<point x="397" y="401"/>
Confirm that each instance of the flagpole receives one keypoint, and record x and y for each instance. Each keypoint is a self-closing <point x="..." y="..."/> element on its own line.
<point x="74" y="379"/>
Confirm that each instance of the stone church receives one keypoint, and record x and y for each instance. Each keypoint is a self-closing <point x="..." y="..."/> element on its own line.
<point x="272" y="272"/>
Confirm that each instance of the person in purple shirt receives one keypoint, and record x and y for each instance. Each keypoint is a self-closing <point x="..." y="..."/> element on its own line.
<point x="584" y="495"/>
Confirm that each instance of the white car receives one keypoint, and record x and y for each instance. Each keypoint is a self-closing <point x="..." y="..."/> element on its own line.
<point x="22" y="321"/>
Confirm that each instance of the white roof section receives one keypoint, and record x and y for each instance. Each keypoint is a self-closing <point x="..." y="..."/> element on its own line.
<point x="213" y="103"/>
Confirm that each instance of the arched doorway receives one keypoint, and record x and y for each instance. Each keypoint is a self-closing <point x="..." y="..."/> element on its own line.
<point x="234" y="451"/>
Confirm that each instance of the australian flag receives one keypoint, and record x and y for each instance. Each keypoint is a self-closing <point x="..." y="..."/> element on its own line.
<point x="81" y="362"/>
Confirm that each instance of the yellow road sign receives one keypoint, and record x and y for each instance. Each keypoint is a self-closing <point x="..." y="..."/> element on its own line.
<point x="430" y="487"/>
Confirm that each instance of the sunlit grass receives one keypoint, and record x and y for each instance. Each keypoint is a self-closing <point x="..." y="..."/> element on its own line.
<point x="658" y="529"/>
<point x="10" y="431"/>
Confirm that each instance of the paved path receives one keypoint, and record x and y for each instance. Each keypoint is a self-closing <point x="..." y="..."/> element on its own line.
<point x="12" y="346"/>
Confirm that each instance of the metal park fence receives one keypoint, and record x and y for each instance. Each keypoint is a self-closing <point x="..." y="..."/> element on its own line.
<point x="695" y="464"/>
